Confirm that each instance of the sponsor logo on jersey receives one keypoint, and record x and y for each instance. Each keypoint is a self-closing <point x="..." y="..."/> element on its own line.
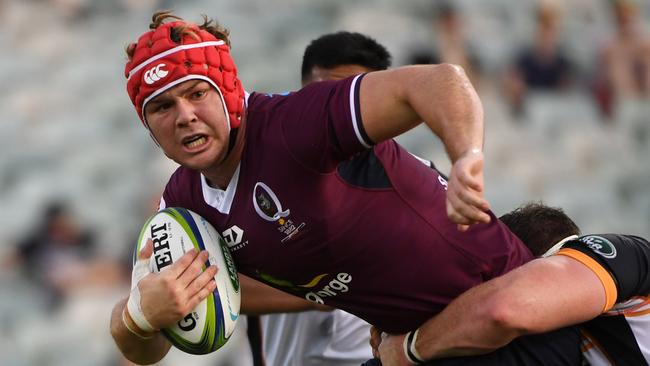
<point x="154" y="74"/>
<point x="600" y="245"/>
<point x="337" y="285"/>
<point x="234" y="238"/>
<point x="268" y="206"/>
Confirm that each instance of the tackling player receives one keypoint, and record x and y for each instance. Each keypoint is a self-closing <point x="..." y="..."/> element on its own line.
<point x="601" y="280"/>
<point x="328" y="206"/>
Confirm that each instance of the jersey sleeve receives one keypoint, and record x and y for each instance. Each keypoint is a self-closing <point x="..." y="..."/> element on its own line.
<point x="321" y="123"/>
<point x="621" y="262"/>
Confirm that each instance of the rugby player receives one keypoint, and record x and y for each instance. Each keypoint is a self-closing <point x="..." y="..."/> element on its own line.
<point x="601" y="281"/>
<point x="331" y="209"/>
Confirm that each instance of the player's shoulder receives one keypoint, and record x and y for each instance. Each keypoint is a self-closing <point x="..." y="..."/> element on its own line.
<point x="180" y="184"/>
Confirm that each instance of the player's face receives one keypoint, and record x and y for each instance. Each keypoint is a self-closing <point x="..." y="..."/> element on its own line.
<point x="189" y="123"/>
<point x="336" y="73"/>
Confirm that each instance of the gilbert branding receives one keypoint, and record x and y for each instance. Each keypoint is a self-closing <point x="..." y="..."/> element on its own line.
<point x="161" y="253"/>
<point x="154" y="74"/>
<point x="600" y="245"/>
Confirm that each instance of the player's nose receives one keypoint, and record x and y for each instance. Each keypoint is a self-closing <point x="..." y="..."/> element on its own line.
<point x="185" y="112"/>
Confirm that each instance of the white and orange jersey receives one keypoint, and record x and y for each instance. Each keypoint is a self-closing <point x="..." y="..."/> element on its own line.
<point x="621" y="335"/>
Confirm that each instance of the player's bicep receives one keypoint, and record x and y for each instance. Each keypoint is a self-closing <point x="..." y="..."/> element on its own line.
<point x="384" y="109"/>
<point x="550" y="293"/>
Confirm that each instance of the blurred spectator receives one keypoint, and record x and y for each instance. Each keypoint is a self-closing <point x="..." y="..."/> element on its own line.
<point x="542" y="66"/>
<point x="58" y="256"/>
<point x="624" y="68"/>
<point x="450" y="44"/>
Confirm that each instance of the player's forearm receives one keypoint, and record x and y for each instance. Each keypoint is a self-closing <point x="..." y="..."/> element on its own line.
<point x="470" y="325"/>
<point x="136" y="349"/>
<point x="259" y="299"/>
<point x="451" y="109"/>
<point x="542" y="295"/>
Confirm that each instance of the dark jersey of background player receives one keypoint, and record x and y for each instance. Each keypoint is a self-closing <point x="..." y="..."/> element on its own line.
<point x="328" y="217"/>
<point x="619" y="336"/>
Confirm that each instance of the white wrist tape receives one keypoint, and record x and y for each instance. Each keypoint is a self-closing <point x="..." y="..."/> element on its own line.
<point x="140" y="270"/>
<point x="126" y="324"/>
<point x="410" y="352"/>
<point x="135" y="310"/>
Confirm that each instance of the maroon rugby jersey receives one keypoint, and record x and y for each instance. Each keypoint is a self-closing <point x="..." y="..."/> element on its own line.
<point x="315" y="210"/>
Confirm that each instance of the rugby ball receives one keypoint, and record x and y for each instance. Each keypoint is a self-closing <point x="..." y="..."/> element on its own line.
<point x="175" y="231"/>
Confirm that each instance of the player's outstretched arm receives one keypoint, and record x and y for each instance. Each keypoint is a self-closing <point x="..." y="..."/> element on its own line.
<point x="542" y="295"/>
<point x="259" y="298"/>
<point x="395" y="101"/>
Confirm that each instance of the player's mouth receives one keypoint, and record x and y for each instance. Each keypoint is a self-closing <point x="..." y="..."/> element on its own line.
<point x="195" y="141"/>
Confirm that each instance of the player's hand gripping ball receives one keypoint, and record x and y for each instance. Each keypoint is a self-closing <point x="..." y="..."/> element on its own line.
<point x="175" y="231"/>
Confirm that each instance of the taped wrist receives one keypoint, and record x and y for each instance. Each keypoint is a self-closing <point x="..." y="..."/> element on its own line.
<point x="133" y="331"/>
<point x="410" y="352"/>
<point x="136" y="313"/>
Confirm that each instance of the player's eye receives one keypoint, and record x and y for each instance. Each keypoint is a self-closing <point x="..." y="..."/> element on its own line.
<point x="198" y="94"/>
<point x="162" y="107"/>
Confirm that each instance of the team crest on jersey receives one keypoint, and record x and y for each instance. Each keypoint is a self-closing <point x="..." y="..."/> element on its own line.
<point x="600" y="245"/>
<point x="268" y="206"/>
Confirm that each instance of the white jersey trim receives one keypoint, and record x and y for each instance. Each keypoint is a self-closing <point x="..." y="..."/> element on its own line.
<point x="353" y="111"/>
<point x="218" y="198"/>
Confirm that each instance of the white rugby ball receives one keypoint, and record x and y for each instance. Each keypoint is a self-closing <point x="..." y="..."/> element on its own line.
<point x="175" y="231"/>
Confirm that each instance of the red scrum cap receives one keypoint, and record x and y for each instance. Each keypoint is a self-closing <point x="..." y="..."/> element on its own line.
<point x="159" y="63"/>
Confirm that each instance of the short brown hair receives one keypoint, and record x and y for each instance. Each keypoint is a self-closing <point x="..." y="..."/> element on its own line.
<point x="539" y="226"/>
<point x="162" y="16"/>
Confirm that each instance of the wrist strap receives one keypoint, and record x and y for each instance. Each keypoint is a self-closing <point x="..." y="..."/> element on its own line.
<point x="126" y="324"/>
<point x="135" y="311"/>
<point x="411" y="353"/>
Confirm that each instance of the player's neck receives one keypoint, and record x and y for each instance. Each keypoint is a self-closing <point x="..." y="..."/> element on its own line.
<point x="220" y="176"/>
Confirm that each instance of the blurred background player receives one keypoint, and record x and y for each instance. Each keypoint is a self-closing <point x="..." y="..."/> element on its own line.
<point x="601" y="280"/>
<point x="320" y="337"/>
<point x="542" y="66"/>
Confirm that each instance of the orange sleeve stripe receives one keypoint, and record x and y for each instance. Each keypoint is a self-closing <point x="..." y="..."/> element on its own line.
<point x="605" y="278"/>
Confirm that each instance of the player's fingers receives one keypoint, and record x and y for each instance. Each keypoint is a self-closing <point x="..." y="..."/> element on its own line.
<point x="470" y="180"/>
<point x="202" y="294"/>
<point x="375" y="338"/>
<point x="178" y="267"/>
<point x="199" y="282"/>
<point x="462" y="213"/>
<point x="147" y="250"/>
<point x="472" y="198"/>
<point x="193" y="270"/>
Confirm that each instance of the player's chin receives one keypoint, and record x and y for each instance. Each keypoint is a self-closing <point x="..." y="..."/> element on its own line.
<point x="202" y="161"/>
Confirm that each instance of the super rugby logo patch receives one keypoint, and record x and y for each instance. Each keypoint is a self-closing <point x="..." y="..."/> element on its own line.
<point x="600" y="245"/>
<point x="268" y="206"/>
